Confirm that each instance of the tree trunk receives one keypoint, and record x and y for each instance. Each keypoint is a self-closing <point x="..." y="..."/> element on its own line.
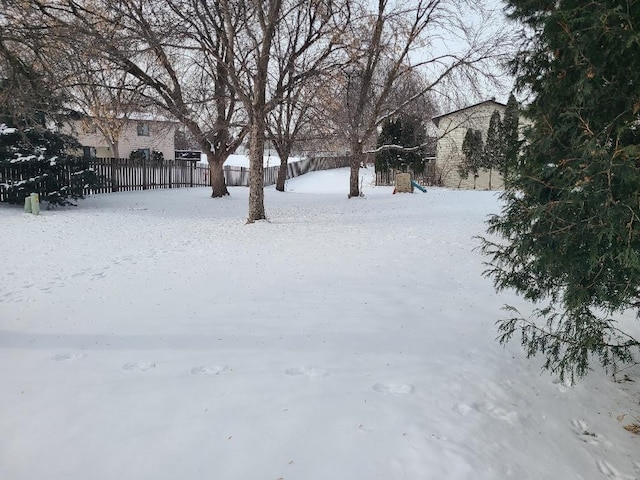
<point x="282" y="172"/>
<point x="216" y="172"/>
<point x="218" y="183"/>
<point x="256" y="170"/>
<point x="490" y="174"/>
<point x="357" y="158"/>
<point x="115" y="149"/>
<point x="115" y="187"/>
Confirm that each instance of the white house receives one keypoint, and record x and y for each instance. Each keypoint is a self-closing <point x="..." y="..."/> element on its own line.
<point x="137" y="132"/>
<point x="452" y="128"/>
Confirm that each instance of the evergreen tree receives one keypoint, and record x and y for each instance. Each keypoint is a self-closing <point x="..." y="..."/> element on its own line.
<point x="408" y="135"/>
<point x="510" y="138"/>
<point x="38" y="161"/>
<point x="570" y="227"/>
<point x="389" y="135"/>
<point x="473" y="151"/>
<point x="33" y="158"/>
<point x="494" y="147"/>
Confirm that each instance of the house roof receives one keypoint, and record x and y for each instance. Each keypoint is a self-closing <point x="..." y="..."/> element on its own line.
<point x="136" y="116"/>
<point x="437" y="119"/>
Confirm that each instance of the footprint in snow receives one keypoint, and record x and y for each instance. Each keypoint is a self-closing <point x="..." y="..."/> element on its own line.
<point x="494" y="411"/>
<point x="309" y="372"/>
<point x="138" y="366"/>
<point x="208" y="370"/>
<point x="394" y="388"/>
<point x="97" y="276"/>
<point x="586" y="435"/>
<point x="67" y="357"/>
<point x="610" y="472"/>
<point x="464" y="409"/>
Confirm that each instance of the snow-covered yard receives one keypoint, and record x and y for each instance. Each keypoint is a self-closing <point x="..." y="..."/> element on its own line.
<point x="154" y="335"/>
<point x="237" y="160"/>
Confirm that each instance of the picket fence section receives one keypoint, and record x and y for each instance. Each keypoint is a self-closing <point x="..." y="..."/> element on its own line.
<point x="123" y="174"/>
<point x="426" y="178"/>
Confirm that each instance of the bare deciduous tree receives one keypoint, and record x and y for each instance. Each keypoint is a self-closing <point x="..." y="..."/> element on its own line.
<point x="150" y="43"/>
<point x="251" y="33"/>
<point x="394" y="41"/>
<point x="27" y="88"/>
<point x="105" y="98"/>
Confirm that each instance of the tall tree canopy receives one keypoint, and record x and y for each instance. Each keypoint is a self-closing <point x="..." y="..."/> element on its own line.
<point x="570" y="227"/>
<point x="405" y="139"/>
<point x="494" y="147"/>
<point x="472" y="151"/>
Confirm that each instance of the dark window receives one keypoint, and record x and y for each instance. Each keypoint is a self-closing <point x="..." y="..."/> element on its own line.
<point x="143" y="129"/>
<point x="88" y="152"/>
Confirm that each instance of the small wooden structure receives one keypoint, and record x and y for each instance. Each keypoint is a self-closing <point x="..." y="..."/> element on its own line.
<point x="403" y="183"/>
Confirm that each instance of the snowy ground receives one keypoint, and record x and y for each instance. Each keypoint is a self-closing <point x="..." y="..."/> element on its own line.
<point x="154" y="335"/>
<point x="237" y="160"/>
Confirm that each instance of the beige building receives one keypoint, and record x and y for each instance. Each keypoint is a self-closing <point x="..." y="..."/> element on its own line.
<point x="138" y="132"/>
<point x="452" y="127"/>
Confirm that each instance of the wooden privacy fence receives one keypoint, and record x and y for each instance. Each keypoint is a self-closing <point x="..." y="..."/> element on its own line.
<point x="427" y="177"/>
<point x="123" y="174"/>
<point x="239" y="176"/>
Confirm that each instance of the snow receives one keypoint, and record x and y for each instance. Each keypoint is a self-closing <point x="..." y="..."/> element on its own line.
<point x="5" y="130"/>
<point x="155" y="335"/>
<point x="239" y="160"/>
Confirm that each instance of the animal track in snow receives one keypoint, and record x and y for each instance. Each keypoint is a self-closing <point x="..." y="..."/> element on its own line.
<point x="310" y="372"/>
<point x="610" y="472"/>
<point x="67" y="357"/>
<point x="494" y="411"/>
<point x="581" y="428"/>
<point x="586" y="435"/>
<point x="138" y="366"/>
<point x="464" y="409"/>
<point x="395" y="388"/>
<point x="208" y="370"/>
<point x="97" y="276"/>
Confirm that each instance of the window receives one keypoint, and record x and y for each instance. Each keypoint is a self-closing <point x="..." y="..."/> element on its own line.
<point x="143" y="129"/>
<point x="88" y="152"/>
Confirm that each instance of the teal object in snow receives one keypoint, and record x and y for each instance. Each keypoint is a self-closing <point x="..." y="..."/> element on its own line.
<point x="419" y="187"/>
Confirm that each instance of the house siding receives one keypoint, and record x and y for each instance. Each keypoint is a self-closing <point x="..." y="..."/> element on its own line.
<point x="161" y="138"/>
<point x="452" y="129"/>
